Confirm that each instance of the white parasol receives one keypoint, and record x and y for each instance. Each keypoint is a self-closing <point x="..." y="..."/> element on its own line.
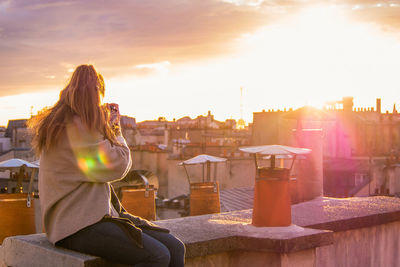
<point x="16" y="164"/>
<point x="36" y="162"/>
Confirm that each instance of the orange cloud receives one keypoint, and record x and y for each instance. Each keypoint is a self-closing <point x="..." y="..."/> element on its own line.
<point x="39" y="38"/>
<point x="42" y="38"/>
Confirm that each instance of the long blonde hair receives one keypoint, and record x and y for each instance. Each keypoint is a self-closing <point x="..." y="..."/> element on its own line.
<point x="80" y="97"/>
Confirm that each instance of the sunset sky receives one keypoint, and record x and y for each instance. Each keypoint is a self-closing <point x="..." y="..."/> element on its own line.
<point x="176" y="58"/>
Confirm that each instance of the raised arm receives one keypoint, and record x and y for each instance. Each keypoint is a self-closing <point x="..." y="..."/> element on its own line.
<point x="99" y="159"/>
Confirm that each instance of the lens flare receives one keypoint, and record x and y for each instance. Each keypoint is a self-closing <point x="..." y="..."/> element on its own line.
<point x="102" y="157"/>
<point x="82" y="165"/>
<point x="87" y="163"/>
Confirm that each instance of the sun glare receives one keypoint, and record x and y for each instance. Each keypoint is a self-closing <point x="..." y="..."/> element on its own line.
<point x="320" y="55"/>
<point x="21" y="106"/>
<point x="315" y="55"/>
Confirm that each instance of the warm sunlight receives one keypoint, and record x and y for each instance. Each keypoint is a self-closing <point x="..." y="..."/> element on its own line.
<point x="21" y="106"/>
<point x="170" y="126"/>
<point x="316" y="56"/>
<point x="321" y="55"/>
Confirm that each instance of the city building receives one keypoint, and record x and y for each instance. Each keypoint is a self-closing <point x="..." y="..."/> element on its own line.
<point x="356" y="142"/>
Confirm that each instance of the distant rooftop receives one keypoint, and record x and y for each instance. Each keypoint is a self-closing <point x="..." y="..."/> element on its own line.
<point x="236" y="199"/>
<point x="21" y="123"/>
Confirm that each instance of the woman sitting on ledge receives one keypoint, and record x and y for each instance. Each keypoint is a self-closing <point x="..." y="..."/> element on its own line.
<point x="81" y="151"/>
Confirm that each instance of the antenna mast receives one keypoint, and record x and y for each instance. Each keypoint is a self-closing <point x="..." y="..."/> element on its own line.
<point x="241" y="122"/>
<point x="241" y="102"/>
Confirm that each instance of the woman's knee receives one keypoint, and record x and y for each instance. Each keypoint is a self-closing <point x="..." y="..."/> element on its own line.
<point x="175" y="246"/>
<point x="164" y="258"/>
<point x="177" y="253"/>
<point x="180" y="247"/>
<point x="157" y="252"/>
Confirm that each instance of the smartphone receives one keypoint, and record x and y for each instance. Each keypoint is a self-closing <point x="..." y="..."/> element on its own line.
<point x="112" y="107"/>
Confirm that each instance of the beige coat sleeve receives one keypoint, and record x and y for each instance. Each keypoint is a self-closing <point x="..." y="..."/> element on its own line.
<point x="96" y="157"/>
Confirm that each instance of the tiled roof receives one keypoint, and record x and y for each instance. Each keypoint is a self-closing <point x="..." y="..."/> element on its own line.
<point x="236" y="199"/>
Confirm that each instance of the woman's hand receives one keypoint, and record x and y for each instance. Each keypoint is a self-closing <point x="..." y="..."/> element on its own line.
<point x="114" y="116"/>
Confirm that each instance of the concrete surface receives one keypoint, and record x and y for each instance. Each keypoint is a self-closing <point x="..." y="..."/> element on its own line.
<point x="341" y="214"/>
<point x="208" y="236"/>
<point x="233" y="230"/>
<point x="369" y="246"/>
<point x="352" y="232"/>
<point x="216" y="233"/>
<point x="305" y="258"/>
<point x="36" y="251"/>
<point x="336" y="214"/>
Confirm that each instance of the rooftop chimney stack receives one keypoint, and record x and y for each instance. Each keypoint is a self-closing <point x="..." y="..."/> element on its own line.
<point x="347" y="104"/>
<point x="378" y="105"/>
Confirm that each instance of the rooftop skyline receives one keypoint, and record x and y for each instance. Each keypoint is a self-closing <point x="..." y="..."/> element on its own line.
<point x="177" y="58"/>
<point x="329" y="105"/>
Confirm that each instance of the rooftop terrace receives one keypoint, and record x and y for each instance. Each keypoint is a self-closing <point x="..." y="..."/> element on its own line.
<point x="325" y="232"/>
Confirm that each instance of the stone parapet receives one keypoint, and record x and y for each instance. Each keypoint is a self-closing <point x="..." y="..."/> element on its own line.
<point x="36" y="251"/>
<point x="231" y="231"/>
<point x="342" y="214"/>
<point x="323" y="228"/>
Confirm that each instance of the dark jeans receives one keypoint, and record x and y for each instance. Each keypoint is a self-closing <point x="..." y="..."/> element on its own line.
<point x="109" y="241"/>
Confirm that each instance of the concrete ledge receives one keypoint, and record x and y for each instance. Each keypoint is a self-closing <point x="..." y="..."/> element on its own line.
<point x="36" y="251"/>
<point x="216" y="233"/>
<point x="228" y="234"/>
<point x="342" y="214"/>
